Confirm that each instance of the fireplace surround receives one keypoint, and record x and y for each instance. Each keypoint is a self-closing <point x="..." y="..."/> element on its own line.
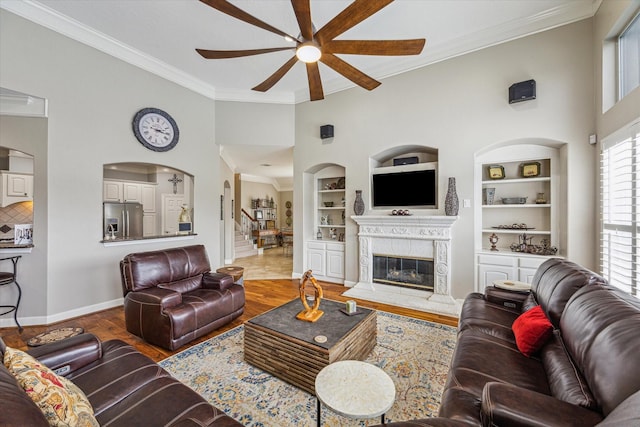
<point x="412" y="237"/>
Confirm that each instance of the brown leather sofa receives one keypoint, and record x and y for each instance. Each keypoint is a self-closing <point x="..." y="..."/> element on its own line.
<point x="587" y="373"/>
<point x="125" y="388"/>
<point x="171" y="297"/>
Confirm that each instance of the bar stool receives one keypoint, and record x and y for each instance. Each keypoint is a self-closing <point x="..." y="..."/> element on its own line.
<point x="7" y="278"/>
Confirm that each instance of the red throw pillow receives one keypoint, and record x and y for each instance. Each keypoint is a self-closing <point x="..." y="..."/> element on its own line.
<point x="532" y="329"/>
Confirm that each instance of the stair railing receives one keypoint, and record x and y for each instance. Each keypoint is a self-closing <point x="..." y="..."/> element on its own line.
<point x="247" y="224"/>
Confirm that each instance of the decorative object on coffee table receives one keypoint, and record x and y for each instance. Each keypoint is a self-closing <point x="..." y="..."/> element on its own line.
<point x="451" y="200"/>
<point x="310" y="314"/>
<point x="358" y="205"/>
<point x="54" y="335"/>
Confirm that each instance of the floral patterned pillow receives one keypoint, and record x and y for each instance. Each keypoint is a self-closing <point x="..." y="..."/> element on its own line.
<point x="60" y="400"/>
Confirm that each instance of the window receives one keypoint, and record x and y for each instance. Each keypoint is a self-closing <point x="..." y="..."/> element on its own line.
<point x="620" y="195"/>
<point x="629" y="57"/>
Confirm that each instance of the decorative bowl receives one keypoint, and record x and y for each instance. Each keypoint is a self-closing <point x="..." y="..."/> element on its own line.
<point x="514" y="200"/>
<point x="328" y="204"/>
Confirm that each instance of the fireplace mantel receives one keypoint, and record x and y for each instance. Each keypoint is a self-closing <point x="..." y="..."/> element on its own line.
<point x="427" y="236"/>
<point x="406" y="226"/>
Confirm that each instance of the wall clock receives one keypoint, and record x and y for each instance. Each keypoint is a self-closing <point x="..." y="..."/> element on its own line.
<point x="155" y="129"/>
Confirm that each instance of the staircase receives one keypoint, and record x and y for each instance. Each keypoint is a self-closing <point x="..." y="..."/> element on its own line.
<point x="243" y="247"/>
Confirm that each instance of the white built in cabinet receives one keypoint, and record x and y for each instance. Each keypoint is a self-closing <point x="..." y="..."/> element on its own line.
<point x="326" y="260"/>
<point x="325" y="250"/>
<point x="543" y="218"/>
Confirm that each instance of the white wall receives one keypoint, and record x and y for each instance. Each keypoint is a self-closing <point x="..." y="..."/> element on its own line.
<point x="92" y="100"/>
<point x="242" y="123"/>
<point x="460" y="106"/>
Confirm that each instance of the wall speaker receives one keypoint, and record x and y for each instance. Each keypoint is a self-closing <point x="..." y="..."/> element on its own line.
<point x="523" y="91"/>
<point x="326" y="131"/>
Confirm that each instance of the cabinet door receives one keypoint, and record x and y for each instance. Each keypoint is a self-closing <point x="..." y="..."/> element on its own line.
<point x="316" y="261"/>
<point x="526" y="274"/>
<point x="488" y="273"/>
<point x="131" y="192"/>
<point x="112" y="191"/>
<point x="149" y="225"/>
<point x="335" y="264"/>
<point x="19" y="185"/>
<point x="148" y="197"/>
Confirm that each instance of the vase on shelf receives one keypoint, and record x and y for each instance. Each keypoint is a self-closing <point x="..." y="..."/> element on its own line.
<point x="358" y="205"/>
<point x="451" y="200"/>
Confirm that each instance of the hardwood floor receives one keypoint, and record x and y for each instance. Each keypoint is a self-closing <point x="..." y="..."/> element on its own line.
<point x="261" y="295"/>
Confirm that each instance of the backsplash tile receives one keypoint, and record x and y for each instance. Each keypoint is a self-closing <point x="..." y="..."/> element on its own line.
<point x="17" y="213"/>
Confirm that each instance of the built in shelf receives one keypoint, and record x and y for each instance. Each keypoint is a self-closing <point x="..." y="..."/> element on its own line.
<point x="326" y="208"/>
<point x="517" y="180"/>
<point x="337" y="190"/>
<point x="519" y="206"/>
<point x="511" y="231"/>
<point x="332" y="226"/>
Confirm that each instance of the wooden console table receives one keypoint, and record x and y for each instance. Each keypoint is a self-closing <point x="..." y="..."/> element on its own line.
<point x="262" y="235"/>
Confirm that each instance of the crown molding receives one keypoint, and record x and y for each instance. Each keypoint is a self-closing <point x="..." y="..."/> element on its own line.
<point x="548" y="19"/>
<point x="260" y="179"/>
<point x="518" y="28"/>
<point x="77" y="31"/>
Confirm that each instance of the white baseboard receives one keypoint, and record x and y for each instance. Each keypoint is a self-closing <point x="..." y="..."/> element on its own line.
<point x="8" y="322"/>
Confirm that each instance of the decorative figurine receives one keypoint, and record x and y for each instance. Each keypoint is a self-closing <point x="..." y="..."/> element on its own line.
<point x="493" y="239"/>
<point x="310" y="314"/>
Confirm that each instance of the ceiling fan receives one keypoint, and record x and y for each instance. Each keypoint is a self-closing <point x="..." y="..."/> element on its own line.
<point x="313" y="46"/>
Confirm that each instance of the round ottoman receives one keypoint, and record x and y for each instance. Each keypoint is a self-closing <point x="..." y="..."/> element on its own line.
<point x="233" y="271"/>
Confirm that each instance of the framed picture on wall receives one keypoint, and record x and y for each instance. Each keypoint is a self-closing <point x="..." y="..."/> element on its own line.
<point x="258" y="214"/>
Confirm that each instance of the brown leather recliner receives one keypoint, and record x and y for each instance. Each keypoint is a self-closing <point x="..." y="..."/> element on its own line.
<point x="172" y="297"/>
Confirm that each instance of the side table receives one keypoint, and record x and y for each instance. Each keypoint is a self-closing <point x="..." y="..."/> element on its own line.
<point x="354" y="389"/>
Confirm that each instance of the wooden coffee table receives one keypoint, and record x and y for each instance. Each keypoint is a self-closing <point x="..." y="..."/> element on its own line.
<point x="286" y="347"/>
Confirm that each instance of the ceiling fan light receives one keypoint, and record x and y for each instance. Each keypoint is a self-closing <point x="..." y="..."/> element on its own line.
<point x="308" y="52"/>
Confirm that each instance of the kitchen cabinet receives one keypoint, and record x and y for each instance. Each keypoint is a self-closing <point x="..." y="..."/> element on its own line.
<point x="112" y="191"/>
<point x="149" y="225"/>
<point x="127" y="191"/>
<point x="131" y="192"/>
<point x="326" y="260"/>
<point x="15" y="187"/>
<point x="148" y="197"/>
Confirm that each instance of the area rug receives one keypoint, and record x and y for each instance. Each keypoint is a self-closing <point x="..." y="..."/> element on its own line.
<point x="415" y="353"/>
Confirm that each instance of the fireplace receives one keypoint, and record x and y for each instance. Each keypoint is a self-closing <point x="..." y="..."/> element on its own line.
<point x="403" y="271"/>
<point x="394" y="245"/>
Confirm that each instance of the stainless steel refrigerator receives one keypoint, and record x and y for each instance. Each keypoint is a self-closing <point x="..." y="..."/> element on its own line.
<point x="122" y="220"/>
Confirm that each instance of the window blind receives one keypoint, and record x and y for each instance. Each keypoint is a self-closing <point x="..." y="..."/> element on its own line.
<point x="620" y="210"/>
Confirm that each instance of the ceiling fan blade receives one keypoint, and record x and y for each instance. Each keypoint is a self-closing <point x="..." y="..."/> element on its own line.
<point x="302" y="8"/>
<point x="351" y="16"/>
<point x="375" y="47"/>
<point x="349" y="71"/>
<point x="315" y="84"/>
<point x="231" y="10"/>
<point x="222" y="54"/>
<point x="275" y="77"/>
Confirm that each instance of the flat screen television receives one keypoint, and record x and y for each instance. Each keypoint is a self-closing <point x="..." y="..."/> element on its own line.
<point x="417" y="188"/>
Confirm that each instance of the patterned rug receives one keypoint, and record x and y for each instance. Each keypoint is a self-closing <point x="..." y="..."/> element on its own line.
<point x="415" y="353"/>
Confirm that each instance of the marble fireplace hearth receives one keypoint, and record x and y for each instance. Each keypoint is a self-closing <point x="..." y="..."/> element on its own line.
<point x="426" y="237"/>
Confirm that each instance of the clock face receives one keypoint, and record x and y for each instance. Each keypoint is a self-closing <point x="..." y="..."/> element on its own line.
<point x="155" y="129"/>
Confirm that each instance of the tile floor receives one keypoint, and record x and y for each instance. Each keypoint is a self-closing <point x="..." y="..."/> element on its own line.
<point x="273" y="264"/>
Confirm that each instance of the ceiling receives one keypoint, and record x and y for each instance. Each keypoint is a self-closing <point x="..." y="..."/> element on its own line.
<point x="161" y="36"/>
